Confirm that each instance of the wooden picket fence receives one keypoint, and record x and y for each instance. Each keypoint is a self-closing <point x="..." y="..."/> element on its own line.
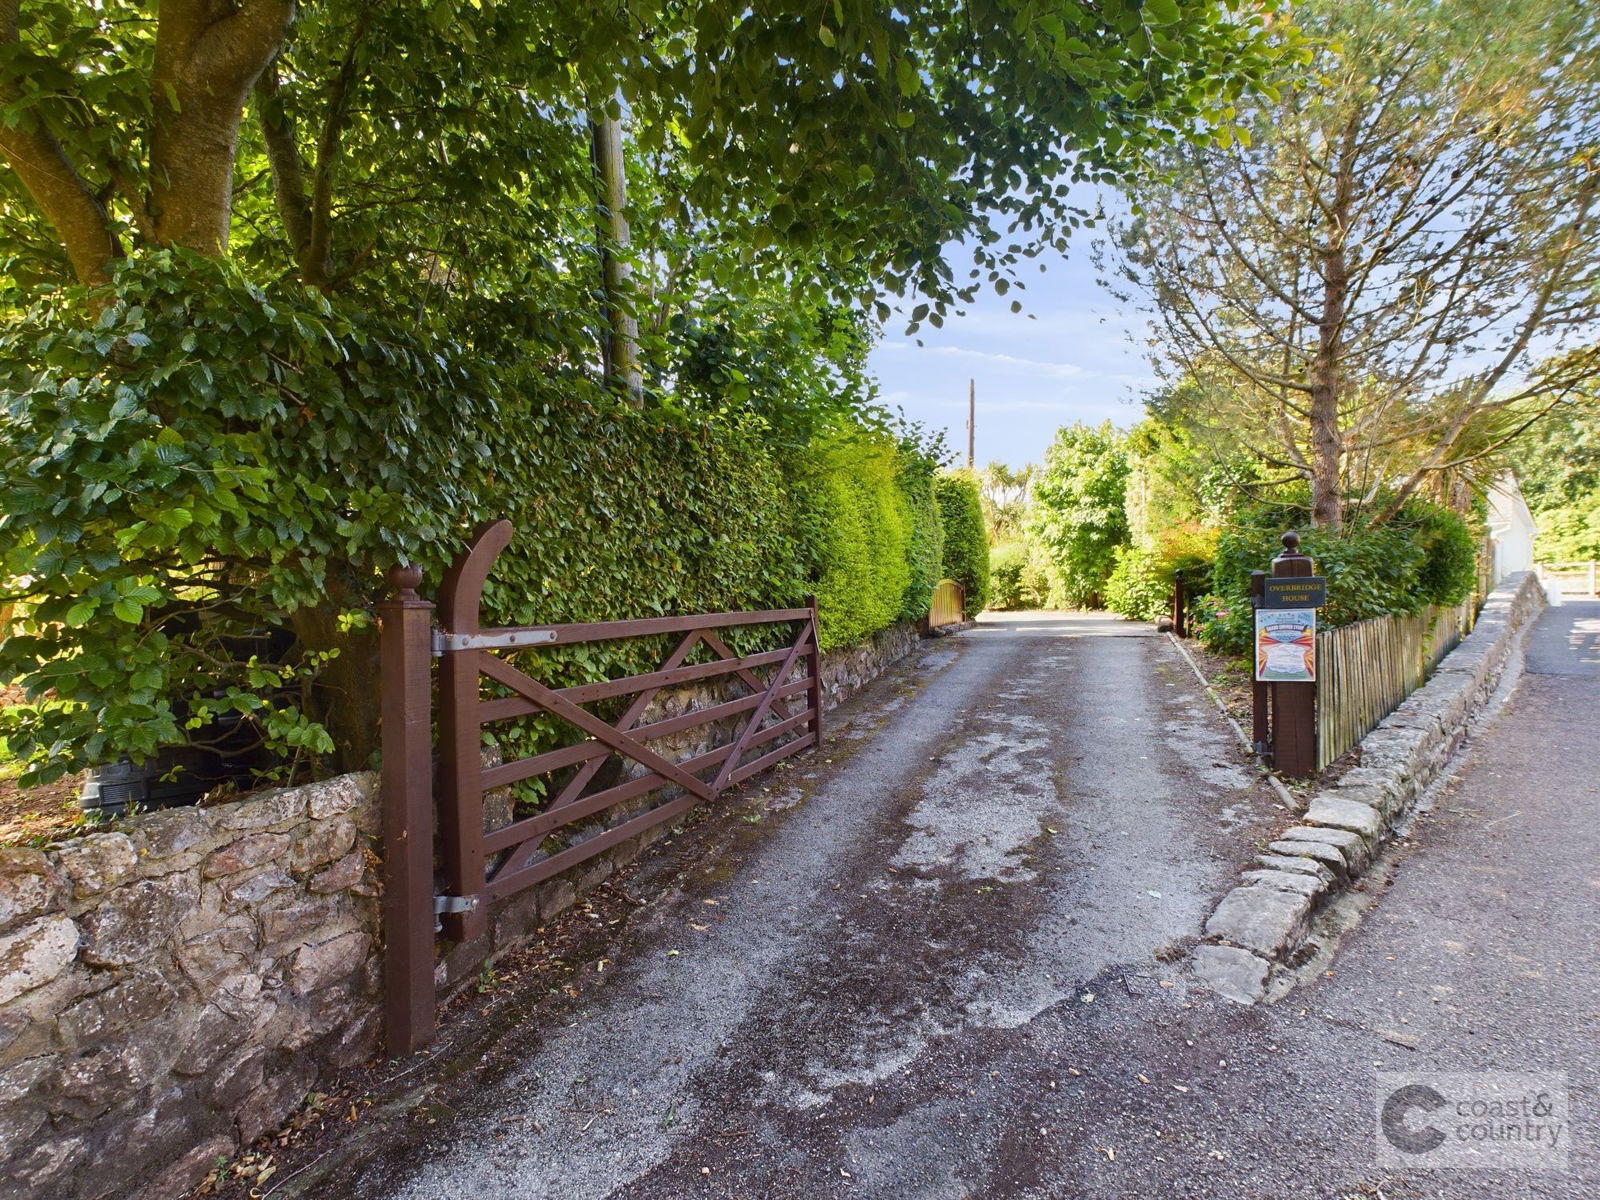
<point x="1365" y="670"/>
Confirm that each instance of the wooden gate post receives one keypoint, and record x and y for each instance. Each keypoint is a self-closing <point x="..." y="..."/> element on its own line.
<point x="1294" y="705"/>
<point x="406" y="685"/>
<point x="814" y="667"/>
<point x="1260" y="693"/>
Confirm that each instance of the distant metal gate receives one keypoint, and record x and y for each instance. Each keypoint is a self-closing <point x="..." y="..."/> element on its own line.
<point x="478" y="867"/>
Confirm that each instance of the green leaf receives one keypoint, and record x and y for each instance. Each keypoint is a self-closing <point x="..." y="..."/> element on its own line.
<point x="905" y="73"/>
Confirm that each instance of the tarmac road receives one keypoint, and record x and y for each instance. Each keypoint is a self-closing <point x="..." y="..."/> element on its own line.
<point x="948" y="963"/>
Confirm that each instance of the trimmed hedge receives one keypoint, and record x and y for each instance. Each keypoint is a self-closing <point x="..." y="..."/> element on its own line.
<point x="917" y="468"/>
<point x="858" y="524"/>
<point x="174" y="506"/>
<point x="966" y="539"/>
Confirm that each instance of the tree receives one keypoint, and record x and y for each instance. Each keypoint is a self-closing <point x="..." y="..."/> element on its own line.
<point x="377" y="130"/>
<point x="1397" y="258"/>
<point x="1005" y="494"/>
<point x="309" y="234"/>
<point x="1078" y="518"/>
<point x="1558" y="466"/>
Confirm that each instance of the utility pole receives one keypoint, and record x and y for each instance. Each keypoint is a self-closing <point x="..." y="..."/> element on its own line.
<point x="972" y="424"/>
<point x="620" y="342"/>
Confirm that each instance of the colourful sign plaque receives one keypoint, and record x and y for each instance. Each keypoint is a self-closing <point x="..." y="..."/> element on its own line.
<point x="1286" y="645"/>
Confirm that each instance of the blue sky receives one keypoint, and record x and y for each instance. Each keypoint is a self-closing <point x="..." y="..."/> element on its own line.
<point x="1073" y="361"/>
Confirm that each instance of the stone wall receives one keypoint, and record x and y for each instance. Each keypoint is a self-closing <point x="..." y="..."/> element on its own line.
<point x="173" y="990"/>
<point x="845" y="672"/>
<point x="1265" y="921"/>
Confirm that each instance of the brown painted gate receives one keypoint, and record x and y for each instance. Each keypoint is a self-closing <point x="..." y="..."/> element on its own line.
<point x="778" y="716"/>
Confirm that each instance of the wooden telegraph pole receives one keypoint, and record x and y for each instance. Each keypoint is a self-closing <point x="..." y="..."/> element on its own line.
<point x="972" y="424"/>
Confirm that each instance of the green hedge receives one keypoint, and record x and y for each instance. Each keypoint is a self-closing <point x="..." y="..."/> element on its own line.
<point x="1426" y="555"/>
<point x="859" y="527"/>
<point x="966" y="540"/>
<point x="170" y="502"/>
<point x="917" y="465"/>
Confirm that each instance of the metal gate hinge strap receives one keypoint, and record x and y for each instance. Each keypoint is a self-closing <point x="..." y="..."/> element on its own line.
<point x="444" y="642"/>
<point x="454" y="904"/>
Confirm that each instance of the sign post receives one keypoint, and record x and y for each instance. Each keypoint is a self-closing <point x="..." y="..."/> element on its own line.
<point x="1286" y="657"/>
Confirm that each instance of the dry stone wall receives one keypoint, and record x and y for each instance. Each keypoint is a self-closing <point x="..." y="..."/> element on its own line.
<point x="1264" y="922"/>
<point x="173" y="990"/>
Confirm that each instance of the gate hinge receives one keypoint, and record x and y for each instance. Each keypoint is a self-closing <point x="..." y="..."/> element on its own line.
<point x="454" y="904"/>
<point x="442" y="642"/>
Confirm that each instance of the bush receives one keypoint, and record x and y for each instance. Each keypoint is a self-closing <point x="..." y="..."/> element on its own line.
<point x="1426" y="555"/>
<point x="174" y="505"/>
<point x="966" y="541"/>
<point x="1007" y="565"/>
<point x="1140" y="586"/>
<point x="858" y="525"/>
<point x="1141" y="582"/>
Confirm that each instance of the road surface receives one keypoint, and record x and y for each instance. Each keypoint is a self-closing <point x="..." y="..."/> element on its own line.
<point x="947" y="963"/>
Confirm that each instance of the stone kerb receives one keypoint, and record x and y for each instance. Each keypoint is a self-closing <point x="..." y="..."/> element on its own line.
<point x="1264" y="922"/>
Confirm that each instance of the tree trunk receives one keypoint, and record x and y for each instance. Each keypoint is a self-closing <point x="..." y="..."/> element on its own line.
<point x="208" y="56"/>
<point x="622" y="327"/>
<point x="345" y="697"/>
<point x="63" y="197"/>
<point x="1327" y="444"/>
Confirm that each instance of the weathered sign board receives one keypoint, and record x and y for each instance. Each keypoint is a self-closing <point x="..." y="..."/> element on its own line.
<point x="1290" y="591"/>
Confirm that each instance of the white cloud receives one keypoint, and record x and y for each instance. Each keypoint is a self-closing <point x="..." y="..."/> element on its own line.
<point x="1004" y="362"/>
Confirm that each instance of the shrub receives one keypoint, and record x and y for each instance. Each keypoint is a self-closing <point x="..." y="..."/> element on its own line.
<point x="966" y="541"/>
<point x="1141" y="582"/>
<point x="1426" y="555"/>
<point x="859" y="529"/>
<point x="1140" y="586"/>
<point x="1007" y="565"/>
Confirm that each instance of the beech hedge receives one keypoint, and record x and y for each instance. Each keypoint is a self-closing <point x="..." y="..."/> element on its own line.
<point x="209" y="466"/>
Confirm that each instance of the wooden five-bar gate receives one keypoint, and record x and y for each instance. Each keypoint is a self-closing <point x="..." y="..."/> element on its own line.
<point x="778" y="716"/>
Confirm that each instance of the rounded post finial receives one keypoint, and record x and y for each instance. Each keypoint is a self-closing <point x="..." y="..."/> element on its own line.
<point x="405" y="579"/>
<point x="1291" y="542"/>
